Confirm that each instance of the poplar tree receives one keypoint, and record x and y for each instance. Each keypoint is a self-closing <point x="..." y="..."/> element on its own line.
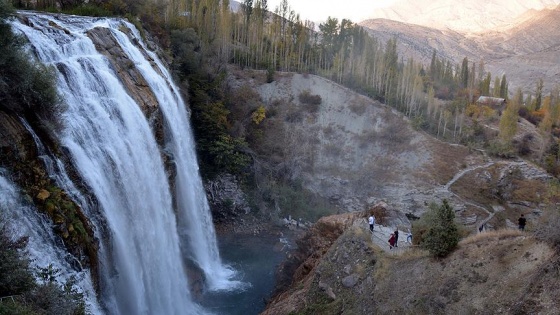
<point x="464" y="76"/>
<point x="496" y="87"/>
<point x="504" y="87"/>
<point x="538" y="94"/>
<point x="508" y="122"/>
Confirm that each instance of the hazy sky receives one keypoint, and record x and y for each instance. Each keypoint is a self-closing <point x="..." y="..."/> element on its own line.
<point x="319" y="10"/>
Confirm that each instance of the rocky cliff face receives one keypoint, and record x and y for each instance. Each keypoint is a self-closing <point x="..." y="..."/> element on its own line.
<point x="340" y="270"/>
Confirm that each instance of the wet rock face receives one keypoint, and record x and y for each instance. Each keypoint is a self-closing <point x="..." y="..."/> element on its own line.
<point x="18" y="154"/>
<point x="226" y="198"/>
<point x="128" y="74"/>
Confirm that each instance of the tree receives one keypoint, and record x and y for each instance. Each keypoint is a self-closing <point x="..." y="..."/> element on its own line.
<point x="508" y="122"/>
<point x="465" y="73"/>
<point x="496" y="88"/>
<point x="504" y="87"/>
<point x="485" y="85"/>
<point x="442" y="234"/>
<point x="538" y="94"/>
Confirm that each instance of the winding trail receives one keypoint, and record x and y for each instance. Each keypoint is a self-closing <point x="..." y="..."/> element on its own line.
<point x="382" y="233"/>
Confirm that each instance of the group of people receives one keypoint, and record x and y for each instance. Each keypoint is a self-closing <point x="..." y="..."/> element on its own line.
<point x="394" y="238"/>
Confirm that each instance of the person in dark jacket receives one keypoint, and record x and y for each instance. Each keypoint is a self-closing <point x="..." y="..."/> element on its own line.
<point x="522" y="221"/>
<point x="392" y="241"/>
<point x="396" y="237"/>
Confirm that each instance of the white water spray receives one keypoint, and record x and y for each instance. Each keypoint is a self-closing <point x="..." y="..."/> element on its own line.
<point x="115" y="152"/>
<point x="43" y="247"/>
<point x="194" y="215"/>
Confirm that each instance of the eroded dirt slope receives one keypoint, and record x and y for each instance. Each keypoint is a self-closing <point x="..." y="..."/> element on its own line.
<point x="506" y="272"/>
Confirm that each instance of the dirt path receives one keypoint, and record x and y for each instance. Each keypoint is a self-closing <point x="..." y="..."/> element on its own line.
<point x="380" y="237"/>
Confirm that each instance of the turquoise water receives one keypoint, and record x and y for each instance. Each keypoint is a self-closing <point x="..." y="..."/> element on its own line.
<point x="256" y="259"/>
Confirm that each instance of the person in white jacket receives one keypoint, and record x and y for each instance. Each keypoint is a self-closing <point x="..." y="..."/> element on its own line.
<point x="371" y="221"/>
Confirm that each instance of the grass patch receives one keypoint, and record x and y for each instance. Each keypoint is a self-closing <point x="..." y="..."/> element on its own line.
<point x="495" y="234"/>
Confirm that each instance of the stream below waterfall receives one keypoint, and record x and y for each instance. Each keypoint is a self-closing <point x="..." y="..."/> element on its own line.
<point x="255" y="258"/>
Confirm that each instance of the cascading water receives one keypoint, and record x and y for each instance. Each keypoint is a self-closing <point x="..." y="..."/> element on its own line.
<point x="115" y="152"/>
<point x="43" y="247"/>
<point x="194" y="212"/>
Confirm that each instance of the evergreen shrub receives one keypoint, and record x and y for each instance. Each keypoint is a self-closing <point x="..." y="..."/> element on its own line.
<point x="436" y="230"/>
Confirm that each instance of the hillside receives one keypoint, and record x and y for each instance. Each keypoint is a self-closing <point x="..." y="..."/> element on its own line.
<point x="466" y="17"/>
<point x="355" y="152"/>
<point x="339" y="270"/>
<point x="525" y="50"/>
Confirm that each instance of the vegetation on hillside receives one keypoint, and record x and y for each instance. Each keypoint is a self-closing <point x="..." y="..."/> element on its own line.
<point x="436" y="231"/>
<point x="202" y="37"/>
<point x="20" y="293"/>
<point x="27" y="88"/>
<point x="439" y="97"/>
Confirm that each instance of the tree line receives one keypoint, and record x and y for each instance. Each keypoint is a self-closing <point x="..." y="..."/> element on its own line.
<point x="439" y="97"/>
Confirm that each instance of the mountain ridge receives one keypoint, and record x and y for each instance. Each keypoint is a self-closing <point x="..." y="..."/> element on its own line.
<point x="525" y="52"/>
<point x="467" y="17"/>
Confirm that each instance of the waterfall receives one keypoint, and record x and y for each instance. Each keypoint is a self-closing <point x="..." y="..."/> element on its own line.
<point x="43" y="247"/>
<point x="194" y="212"/>
<point x="115" y="152"/>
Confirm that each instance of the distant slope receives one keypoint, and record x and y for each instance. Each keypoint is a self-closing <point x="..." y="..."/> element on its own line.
<point x="419" y="42"/>
<point x="355" y="151"/>
<point x="463" y="16"/>
<point x="525" y="51"/>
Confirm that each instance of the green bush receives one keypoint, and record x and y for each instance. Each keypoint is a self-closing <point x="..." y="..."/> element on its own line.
<point x="436" y="230"/>
<point x="27" y="88"/>
<point x="23" y="295"/>
<point x="270" y="72"/>
<point x="311" y="100"/>
<point x="501" y="149"/>
<point x="15" y="277"/>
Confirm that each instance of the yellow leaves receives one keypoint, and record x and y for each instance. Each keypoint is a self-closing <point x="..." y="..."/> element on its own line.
<point x="258" y="115"/>
<point x="479" y="111"/>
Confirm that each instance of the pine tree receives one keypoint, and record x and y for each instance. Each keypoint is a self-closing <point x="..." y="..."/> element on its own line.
<point x="442" y="235"/>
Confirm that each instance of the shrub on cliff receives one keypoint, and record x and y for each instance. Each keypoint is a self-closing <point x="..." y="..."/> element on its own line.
<point x="27" y="88"/>
<point x="436" y="230"/>
<point x="549" y="231"/>
<point x="21" y="294"/>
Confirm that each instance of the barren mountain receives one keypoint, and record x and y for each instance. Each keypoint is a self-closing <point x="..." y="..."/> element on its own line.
<point x="525" y="51"/>
<point x="463" y="16"/>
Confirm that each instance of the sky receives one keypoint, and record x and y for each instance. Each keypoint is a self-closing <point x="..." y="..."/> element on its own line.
<point x="319" y="10"/>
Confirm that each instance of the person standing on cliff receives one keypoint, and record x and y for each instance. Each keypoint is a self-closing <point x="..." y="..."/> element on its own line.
<point x="392" y="241"/>
<point x="396" y="237"/>
<point x="522" y="221"/>
<point x="371" y="222"/>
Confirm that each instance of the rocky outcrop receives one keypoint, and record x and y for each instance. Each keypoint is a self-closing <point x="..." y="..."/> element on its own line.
<point x="226" y="198"/>
<point x="295" y="275"/>
<point x="125" y="69"/>
<point x="503" y="272"/>
<point x="20" y="156"/>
